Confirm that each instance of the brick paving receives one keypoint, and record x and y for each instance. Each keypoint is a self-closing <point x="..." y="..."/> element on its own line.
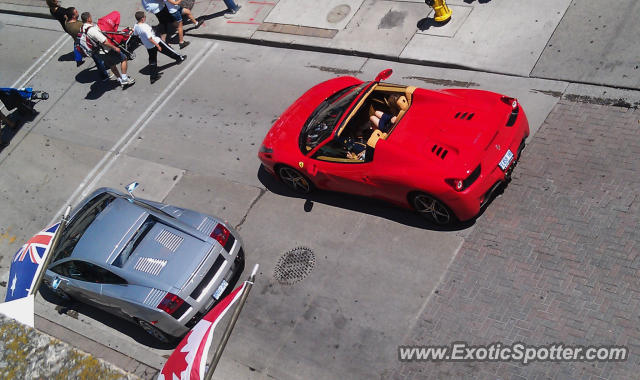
<point x="554" y="259"/>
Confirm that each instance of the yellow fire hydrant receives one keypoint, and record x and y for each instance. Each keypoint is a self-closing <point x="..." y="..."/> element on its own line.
<point x="443" y="13"/>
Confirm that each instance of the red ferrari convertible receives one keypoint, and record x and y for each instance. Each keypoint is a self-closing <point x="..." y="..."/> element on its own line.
<point x="440" y="152"/>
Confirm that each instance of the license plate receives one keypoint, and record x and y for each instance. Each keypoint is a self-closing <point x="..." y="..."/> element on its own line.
<point x="506" y="160"/>
<point x="220" y="290"/>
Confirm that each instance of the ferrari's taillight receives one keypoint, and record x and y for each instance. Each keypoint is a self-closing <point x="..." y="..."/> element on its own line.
<point x="515" y="109"/>
<point x="513" y="102"/>
<point x="462" y="184"/>
<point x="170" y="303"/>
<point x="264" y="149"/>
<point x="457" y="184"/>
<point x="221" y="234"/>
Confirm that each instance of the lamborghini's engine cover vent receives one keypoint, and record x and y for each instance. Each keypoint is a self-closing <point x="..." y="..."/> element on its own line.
<point x="150" y="265"/>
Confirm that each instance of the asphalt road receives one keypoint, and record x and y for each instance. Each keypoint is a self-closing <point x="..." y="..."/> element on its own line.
<point x="191" y="139"/>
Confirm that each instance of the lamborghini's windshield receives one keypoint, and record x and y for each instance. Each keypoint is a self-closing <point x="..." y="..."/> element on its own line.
<point x="79" y="224"/>
<point x="324" y="119"/>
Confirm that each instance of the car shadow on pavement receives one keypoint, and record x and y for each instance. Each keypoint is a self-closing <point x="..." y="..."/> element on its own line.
<point x="73" y="308"/>
<point x="356" y="203"/>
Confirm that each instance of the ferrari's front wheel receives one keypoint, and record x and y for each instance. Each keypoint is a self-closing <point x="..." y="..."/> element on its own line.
<point x="295" y="180"/>
<point x="432" y="209"/>
<point x="154" y="331"/>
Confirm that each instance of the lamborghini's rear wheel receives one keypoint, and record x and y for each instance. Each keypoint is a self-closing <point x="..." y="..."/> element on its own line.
<point x="432" y="209"/>
<point x="295" y="180"/>
<point x="154" y="331"/>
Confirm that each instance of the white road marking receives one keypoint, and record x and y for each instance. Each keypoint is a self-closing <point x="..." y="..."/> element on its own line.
<point x="138" y="126"/>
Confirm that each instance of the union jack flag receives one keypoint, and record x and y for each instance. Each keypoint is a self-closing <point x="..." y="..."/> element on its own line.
<point x="36" y="246"/>
<point x="26" y="262"/>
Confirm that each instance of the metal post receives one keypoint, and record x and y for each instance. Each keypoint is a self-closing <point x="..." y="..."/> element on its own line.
<point x="54" y="244"/>
<point x="227" y="332"/>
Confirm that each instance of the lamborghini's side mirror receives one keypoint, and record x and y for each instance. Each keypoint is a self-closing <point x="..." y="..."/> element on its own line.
<point x="130" y="187"/>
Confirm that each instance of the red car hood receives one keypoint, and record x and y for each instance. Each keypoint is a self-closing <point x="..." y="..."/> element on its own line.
<point x="285" y="131"/>
<point x="461" y="122"/>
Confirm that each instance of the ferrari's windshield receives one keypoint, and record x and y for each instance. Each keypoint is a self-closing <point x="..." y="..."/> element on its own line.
<point x="324" y="119"/>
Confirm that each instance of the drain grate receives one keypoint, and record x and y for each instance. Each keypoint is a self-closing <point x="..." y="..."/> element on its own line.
<point x="294" y="266"/>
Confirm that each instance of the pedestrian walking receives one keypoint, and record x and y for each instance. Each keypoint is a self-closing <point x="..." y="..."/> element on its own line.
<point x="175" y="10"/>
<point x="232" y="8"/>
<point x="73" y="26"/>
<point x="161" y="12"/>
<point x="60" y="14"/>
<point x="153" y="44"/>
<point x="110" y="54"/>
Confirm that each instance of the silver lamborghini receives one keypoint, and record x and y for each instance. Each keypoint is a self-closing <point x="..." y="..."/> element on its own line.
<point x="161" y="266"/>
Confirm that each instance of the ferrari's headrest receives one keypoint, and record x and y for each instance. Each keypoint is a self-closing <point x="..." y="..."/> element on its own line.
<point x="402" y="103"/>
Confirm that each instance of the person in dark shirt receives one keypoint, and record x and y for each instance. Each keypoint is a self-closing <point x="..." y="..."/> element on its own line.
<point x="58" y="12"/>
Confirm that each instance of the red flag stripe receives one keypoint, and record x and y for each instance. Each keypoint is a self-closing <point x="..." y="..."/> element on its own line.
<point x="187" y="354"/>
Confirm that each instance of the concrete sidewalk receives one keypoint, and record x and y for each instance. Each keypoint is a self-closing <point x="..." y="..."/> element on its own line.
<point x="579" y="41"/>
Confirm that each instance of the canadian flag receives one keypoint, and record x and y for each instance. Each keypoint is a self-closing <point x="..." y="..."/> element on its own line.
<point x="188" y="360"/>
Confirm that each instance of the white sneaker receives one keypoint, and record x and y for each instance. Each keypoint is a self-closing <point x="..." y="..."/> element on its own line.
<point x="232" y="14"/>
<point x="127" y="82"/>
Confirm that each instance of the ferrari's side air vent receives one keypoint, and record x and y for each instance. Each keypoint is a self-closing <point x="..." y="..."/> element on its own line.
<point x="464" y="116"/>
<point x="206" y="226"/>
<point x="150" y="265"/>
<point x="169" y="240"/>
<point x="439" y="151"/>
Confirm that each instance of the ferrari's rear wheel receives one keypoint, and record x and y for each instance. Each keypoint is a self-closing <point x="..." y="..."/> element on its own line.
<point x="295" y="180"/>
<point x="154" y="331"/>
<point x="432" y="209"/>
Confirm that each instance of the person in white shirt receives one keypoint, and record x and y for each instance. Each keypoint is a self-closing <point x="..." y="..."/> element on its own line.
<point x="161" y="12"/>
<point x="153" y="44"/>
<point x="176" y="11"/>
<point x="111" y="54"/>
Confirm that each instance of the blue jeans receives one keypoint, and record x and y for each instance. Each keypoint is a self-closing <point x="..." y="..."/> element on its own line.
<point x="231" y="5"/>
<point x="100" y="65"/>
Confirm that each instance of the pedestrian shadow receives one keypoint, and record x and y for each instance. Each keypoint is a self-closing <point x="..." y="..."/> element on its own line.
<point x="147" y="69"/>
<point x="210" y="16"/>
<point x="364" y="205"/>
<point x="479" y="1"/>
<point x="7" y="133"/>
<point x="67" y="57"/>
<point x="98" y="88"/>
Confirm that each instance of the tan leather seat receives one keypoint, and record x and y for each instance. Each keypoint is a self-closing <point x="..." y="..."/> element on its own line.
<point x="375" y="136"/>
<point x="403" y="105"/>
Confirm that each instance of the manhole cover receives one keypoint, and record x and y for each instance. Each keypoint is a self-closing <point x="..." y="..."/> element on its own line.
<point x="338" y="13"/>
<point x="294" y="266"/>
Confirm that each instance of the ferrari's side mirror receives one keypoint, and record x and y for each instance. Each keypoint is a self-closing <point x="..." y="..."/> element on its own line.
<point x="130" y="187"/>
<point x="384" y="74"/>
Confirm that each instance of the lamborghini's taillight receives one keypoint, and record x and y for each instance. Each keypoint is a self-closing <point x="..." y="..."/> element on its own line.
<point x="170" y="303"/>
<point x="221" y="234"/>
